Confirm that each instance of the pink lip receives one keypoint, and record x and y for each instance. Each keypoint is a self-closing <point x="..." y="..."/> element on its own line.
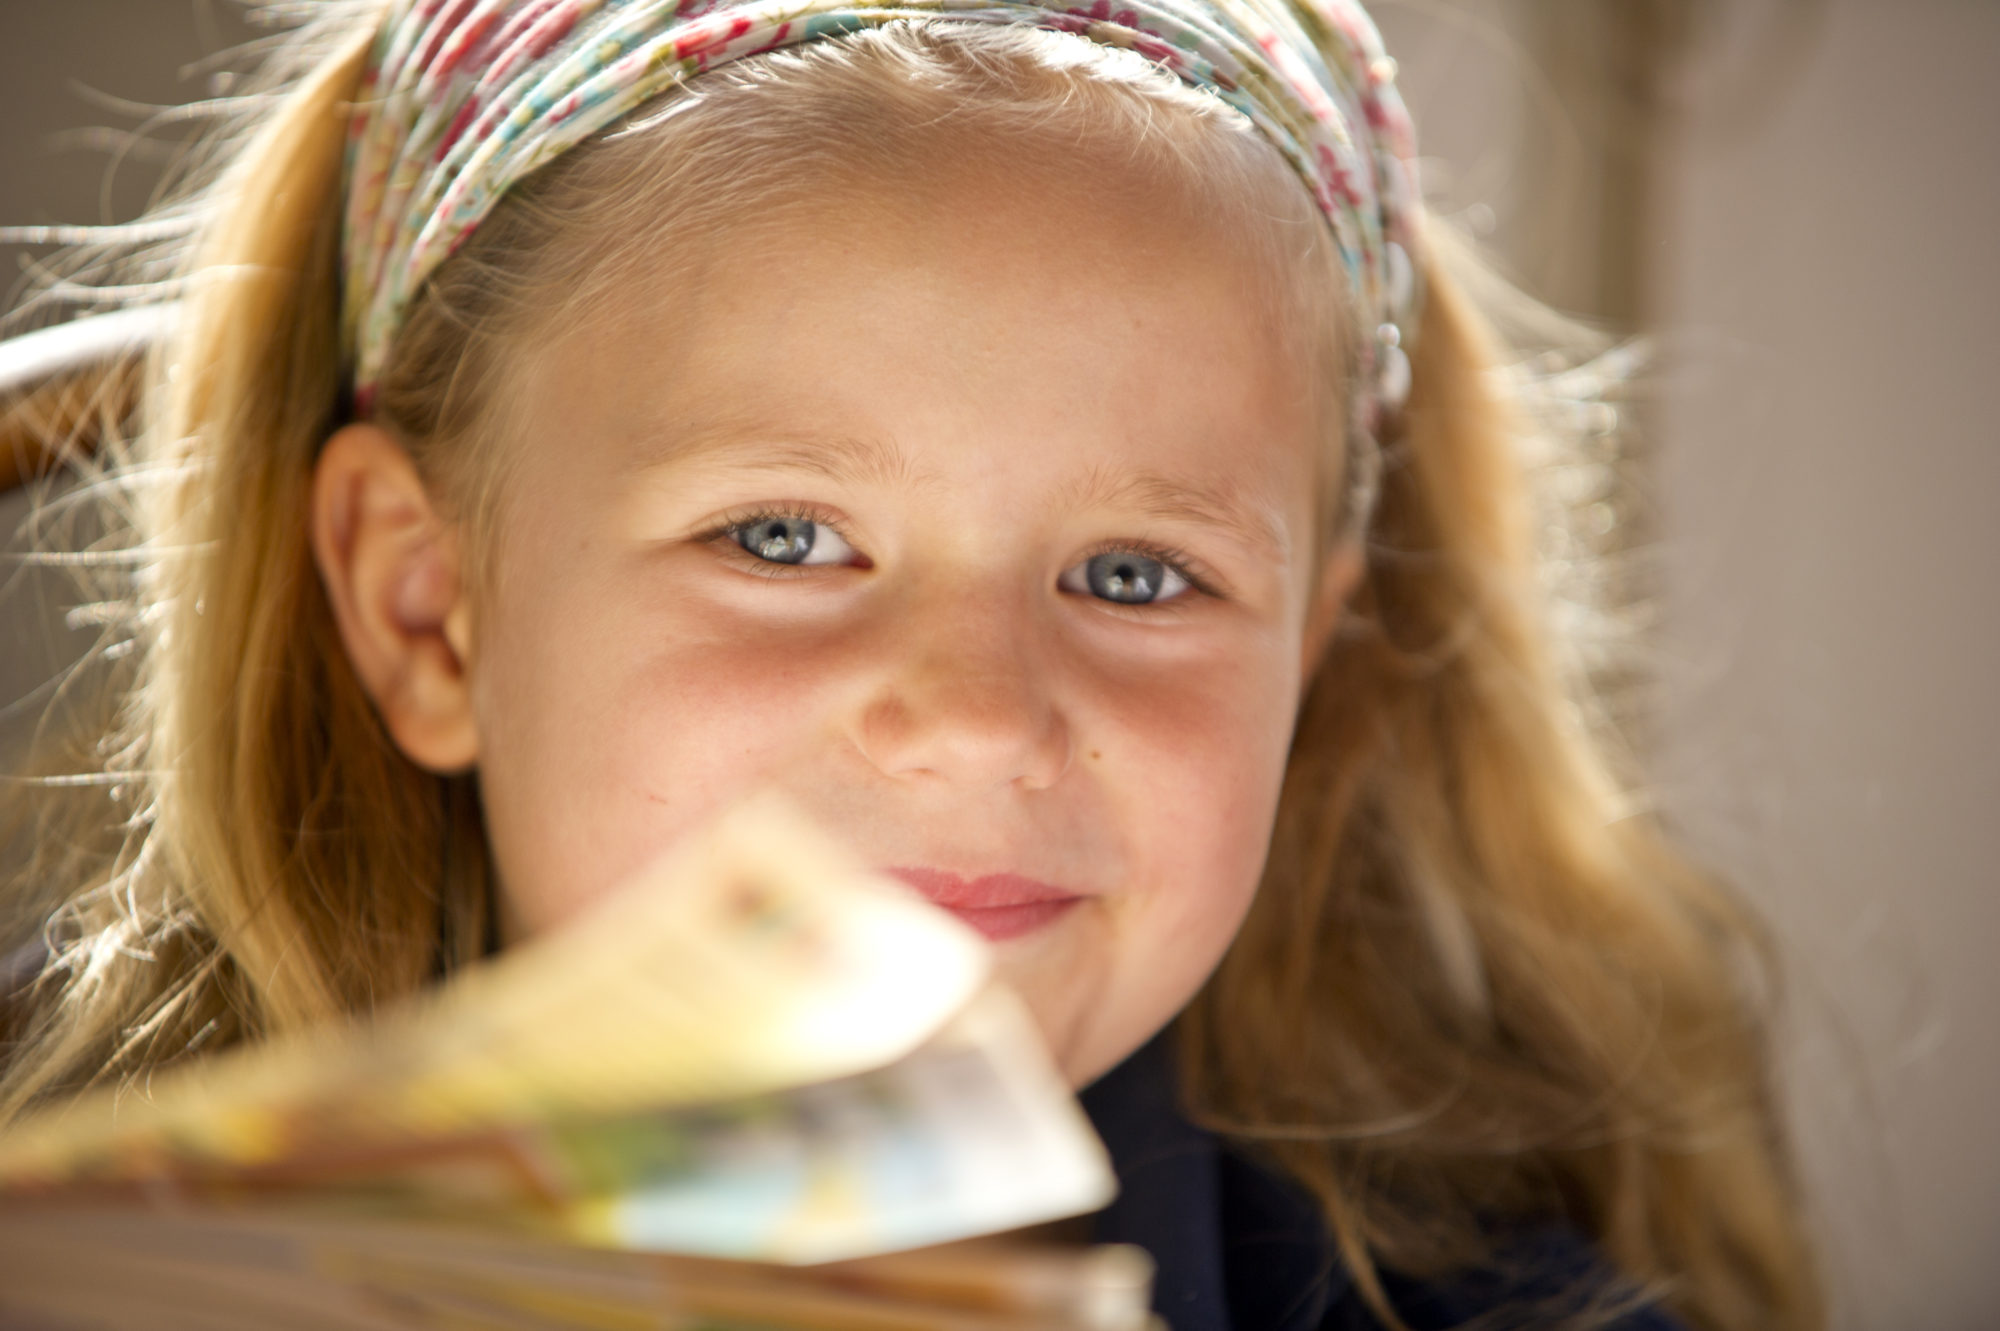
<point x="999" y="905"/>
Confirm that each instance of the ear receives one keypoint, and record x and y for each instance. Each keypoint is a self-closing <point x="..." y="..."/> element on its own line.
<point x="391" y="569"/>
<point x="1338" y="577"/>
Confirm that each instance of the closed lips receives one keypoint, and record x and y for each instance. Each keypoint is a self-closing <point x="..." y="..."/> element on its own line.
<point x="999" y="905"/>
<point x="983" y="893"/>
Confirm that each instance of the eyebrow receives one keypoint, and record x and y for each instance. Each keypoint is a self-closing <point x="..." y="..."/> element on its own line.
<point x="1260" y="528"/>
<point x="838" y="457"/>
<point x="859" y="459"/>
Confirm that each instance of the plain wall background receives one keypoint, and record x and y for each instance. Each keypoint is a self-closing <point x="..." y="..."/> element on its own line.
<point x="1804" y="218"/>
<point x="1829" y="473"/>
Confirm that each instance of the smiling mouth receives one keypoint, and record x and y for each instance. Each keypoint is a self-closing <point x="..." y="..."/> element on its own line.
<point x="998" y="905"/>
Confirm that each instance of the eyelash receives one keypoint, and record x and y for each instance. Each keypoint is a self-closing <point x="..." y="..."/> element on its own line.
<point x="1199" y="577"/>
<point x="722" y="535"/>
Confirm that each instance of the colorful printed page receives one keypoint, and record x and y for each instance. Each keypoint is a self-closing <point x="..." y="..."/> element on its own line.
<point x="960" y="1137"/>
<point x="759" y="1051"/>
<point x="972" y="1134"/>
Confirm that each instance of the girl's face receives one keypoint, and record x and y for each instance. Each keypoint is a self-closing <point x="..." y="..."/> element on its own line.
<point x="980" y="524"/>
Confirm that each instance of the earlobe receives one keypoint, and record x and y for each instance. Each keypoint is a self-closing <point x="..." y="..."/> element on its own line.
<point x="390" y="565"/>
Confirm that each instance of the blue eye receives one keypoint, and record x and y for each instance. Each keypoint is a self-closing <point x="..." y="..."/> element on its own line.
<point x="1125" y="577"/>
<point x="788" y="539"/>
<point x="780" y="540"/>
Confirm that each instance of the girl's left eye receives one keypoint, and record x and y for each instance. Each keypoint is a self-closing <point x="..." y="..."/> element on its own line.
<point x="787" y="539"/>
<point x="1125" y="577"/>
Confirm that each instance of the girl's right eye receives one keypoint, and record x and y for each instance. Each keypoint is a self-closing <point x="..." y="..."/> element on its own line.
<point x="781" y="538"/>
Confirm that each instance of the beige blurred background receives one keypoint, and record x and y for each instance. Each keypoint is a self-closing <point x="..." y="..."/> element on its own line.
<point x="1797" y="200"/>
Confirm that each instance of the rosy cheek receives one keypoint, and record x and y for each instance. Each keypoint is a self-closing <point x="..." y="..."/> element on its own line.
<point x="623" y="713"/>
<point x="717" y="712"/>
<point x="1194" y="757"/>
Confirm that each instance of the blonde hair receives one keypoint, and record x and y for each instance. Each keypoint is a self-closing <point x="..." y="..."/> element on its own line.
<point x="1474" y="983"/>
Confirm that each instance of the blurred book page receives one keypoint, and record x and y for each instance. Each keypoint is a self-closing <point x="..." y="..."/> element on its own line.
<point x="757" y="1051"/>
<point x="759" y="958"/>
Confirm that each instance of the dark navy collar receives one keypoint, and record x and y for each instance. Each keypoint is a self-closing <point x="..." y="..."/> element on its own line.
<point x="1238" y="1246"/>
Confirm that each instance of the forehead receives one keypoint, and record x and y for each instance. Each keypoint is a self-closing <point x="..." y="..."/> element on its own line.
<point x="1042" y="327"/>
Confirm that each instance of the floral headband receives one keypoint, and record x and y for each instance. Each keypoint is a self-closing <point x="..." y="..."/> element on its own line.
<point x="464" y="98"/>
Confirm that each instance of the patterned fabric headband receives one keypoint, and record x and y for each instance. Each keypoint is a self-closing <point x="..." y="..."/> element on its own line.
<point x="464" y="98"/>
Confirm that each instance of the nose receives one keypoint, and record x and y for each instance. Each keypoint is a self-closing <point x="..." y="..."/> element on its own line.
<point x="964" y="697"/>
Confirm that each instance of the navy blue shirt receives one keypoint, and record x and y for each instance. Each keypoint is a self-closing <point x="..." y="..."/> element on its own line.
<point x="1239" y="1247"/>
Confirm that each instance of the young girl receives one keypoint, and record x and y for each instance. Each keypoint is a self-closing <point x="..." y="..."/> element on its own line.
<point x="1051" y="445"/>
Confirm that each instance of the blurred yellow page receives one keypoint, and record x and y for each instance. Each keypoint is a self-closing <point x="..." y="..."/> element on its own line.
<point x="757" y="1049"/>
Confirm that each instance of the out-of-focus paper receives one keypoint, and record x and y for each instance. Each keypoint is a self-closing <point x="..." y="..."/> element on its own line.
<point x="225" y="1271"/>
<point x="757" y="1052"/>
